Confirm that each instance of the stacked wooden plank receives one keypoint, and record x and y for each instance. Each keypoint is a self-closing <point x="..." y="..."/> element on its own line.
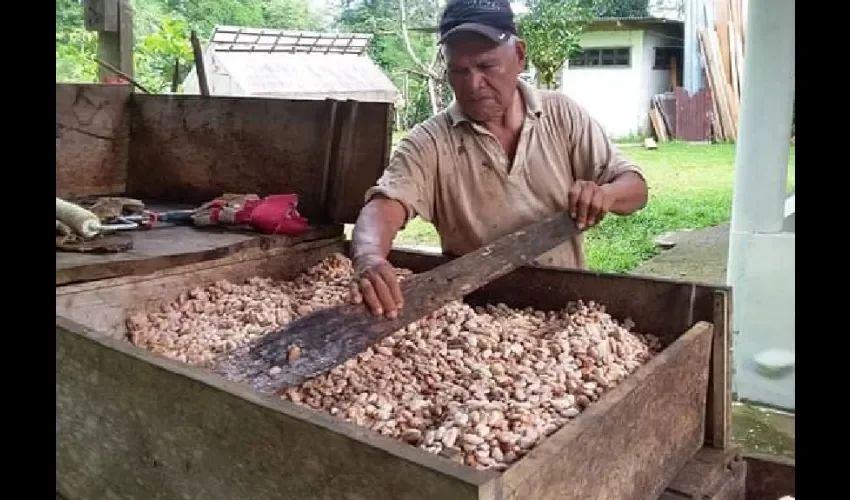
<point x="722" y="53"/>
<point x="662" y="116"/>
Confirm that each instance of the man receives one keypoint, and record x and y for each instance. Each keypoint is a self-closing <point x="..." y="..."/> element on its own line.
<point x="502" y="156"/>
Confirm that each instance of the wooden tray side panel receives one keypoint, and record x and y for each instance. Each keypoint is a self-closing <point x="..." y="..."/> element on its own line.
<point x="710" y="475"/>
<point x="92" y="139"/>
<point x="103" y="305"/>
<point x="191" y="149"/>
<point x="362" y="146"/>
<point x="769" y="478"/>
<point x="631" y="443"/>
<point x="661" y="307"/>
<point x="132" y="426"/>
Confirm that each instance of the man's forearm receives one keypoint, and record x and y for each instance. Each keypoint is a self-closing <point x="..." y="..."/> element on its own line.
<point x="376" y="227"/>
<point x="629" y="192"/>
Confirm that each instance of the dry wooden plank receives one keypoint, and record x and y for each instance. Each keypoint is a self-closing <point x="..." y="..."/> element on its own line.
<point x="722" y="82"/>
<point x="103" y="305"/>
<point x="666" y="108"/>
<point x="719" y="411"/>
<point x="739" y="60"/>
<point x="733" y="60"/>
<point x="719" y="83"/>
<point x="721" y="25"/>
<point x="667" y="393"/>
<point x="166" y="247"/>
<point x="658" y="124"/>
<point x="130" y="424"/>
<point x="737" y="17"/>
<point x="716" y="84"/>
<point x="716" y="121"/>
<point x="717" y="88"/>
<point x="200" y="69"/>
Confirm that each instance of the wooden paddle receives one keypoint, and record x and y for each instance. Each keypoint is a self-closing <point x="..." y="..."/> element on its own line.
<point x="329" y="337"/>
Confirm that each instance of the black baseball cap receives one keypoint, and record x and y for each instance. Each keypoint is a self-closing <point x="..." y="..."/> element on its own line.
<point x="493" y="19"/>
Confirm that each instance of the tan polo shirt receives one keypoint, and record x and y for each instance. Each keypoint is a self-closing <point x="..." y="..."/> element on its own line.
<point x="456" y="175"/>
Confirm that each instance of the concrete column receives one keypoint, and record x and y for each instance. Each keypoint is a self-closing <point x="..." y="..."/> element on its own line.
<point x="761" y="256"/>
<point x="764" y="132"/>
<point x="692" y="71"/>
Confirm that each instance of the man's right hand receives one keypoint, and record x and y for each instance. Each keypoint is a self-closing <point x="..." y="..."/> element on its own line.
<point x="376" y="284"/>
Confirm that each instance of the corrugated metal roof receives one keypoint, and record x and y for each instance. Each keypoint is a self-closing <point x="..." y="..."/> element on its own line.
<point x="308" y="76"/>
<point x="238" y="38"/>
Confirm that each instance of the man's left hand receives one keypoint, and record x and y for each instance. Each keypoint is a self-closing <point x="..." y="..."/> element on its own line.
<point x="589" y="203"/>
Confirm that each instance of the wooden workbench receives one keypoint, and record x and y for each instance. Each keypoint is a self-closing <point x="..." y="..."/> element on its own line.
<point x="166" y="247"/>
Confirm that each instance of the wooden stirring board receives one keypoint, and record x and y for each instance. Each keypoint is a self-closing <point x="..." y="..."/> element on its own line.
<point x="330" y="336"/>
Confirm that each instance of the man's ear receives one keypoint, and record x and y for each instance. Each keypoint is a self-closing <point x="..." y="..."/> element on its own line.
<point x="520" y="52"/>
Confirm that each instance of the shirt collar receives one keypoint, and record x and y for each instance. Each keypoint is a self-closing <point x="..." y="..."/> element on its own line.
<point x="533" y="108"/>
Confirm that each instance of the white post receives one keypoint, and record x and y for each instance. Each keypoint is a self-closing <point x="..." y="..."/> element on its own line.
<point x="764" y="132"/>
<point x="761" y="257"/>
<point x="692" y="70"/>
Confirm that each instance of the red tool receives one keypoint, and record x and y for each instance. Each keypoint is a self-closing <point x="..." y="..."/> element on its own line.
<point x="278" y="214"/>
<point x="274" y="214"/>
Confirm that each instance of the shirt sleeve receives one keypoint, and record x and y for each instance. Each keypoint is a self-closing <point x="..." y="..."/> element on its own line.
<point x="594" y="156"/>
<point x="409" y="178"/>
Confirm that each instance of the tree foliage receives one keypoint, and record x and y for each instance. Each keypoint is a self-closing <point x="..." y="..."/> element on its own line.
<point x="75" y="46"/>
<point x="382" y="18"/>
<point x="552" y="31"/>
<point x="156" y="54"/>
<point x="161" y="30"/>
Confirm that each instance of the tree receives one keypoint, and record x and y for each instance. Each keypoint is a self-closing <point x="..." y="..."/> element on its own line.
<point x="291" y="15"/>
<point x="552" y="29"/>
<point x="161" y="29"/>
<point x="156" y="53"/>
<point x="393" y="44"/>
<point x="75" y="46"/>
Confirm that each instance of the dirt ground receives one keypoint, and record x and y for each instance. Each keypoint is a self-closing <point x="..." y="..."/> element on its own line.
<point x="701" y="256"/>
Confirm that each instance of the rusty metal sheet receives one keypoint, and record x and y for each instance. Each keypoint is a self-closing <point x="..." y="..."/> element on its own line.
<point x="693" y="115"/>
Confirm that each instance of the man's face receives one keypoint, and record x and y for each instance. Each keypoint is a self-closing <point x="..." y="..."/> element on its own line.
<point x="483" y="75"/>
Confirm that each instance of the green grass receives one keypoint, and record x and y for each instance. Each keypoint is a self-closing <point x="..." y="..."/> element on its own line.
<point x="690" y="187"/>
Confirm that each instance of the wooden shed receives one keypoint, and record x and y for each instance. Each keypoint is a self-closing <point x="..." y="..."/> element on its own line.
<point x="259" y="62"/>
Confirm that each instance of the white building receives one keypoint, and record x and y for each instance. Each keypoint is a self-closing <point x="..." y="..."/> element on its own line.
<point x="259" y="62"/>
<point x="624" y="63"/>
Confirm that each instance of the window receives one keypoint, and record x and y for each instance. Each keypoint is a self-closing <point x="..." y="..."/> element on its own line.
<point x="665" y="55"/>
<point x="608" y="57"/>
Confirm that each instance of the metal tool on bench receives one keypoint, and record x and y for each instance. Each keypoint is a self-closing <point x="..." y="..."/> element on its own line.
<point x="148" y="219"/>
<point x="331" y="336"/>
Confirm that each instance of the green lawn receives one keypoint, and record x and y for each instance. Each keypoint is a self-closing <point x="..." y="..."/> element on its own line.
<point x="690" y="186"/>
